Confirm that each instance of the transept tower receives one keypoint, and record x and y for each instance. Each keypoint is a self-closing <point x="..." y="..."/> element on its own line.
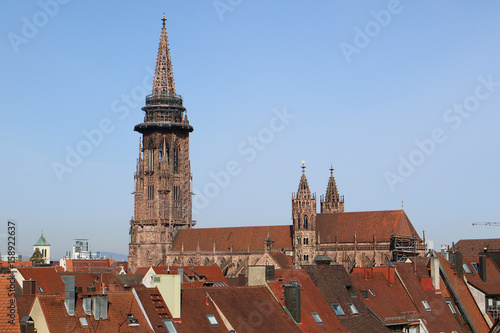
<point x="162" y="195"/>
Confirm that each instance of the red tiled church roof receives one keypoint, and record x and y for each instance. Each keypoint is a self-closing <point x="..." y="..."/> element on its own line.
<point x="240" y="238"/>
<point x="364" y="226"/>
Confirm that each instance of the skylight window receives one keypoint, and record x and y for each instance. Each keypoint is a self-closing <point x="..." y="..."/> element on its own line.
<point x="83" y="321"/>
<point x="317" y="318"/>
<point x="169" y="325"/>
<point x="353" y="309"/>
<point x="372" y="292"/>
<point x="426" y="305"/>
<point x="475" y="266"/>
<point x="338" y="309"/>
<point x="466" y="268"/>
<point x="212" y="320"/>
<point x="40" y="289"/>
<point x="452" y="309"/>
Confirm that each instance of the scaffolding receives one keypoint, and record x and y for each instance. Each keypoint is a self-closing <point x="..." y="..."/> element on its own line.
<point x="404" y="247"/>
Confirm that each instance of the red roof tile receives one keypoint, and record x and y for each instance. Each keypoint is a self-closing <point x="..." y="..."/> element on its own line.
<point x="119" y="304"/>
<point x="311" y="301"/>
<point x="439" y="318"/>
<point x="24" y="303"/>
<point x="463" y="294"/>
<point x="45" y="277"/>
<point x="391" y="304"/>
<point x="154" y="306"/>
<point x="8" y="305"/>
<point x="252" y="309"/>
<point x="363" y="226"/>
<point x="239" y="238"/>
<point x="492" y="284"/>
<point x="283" y="260"/>
<point x="331" y="282"/>
<point x="472" y="247"/>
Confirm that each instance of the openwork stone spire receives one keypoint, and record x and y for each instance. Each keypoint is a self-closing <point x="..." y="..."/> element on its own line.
<point x="331" y="191"/>
<point x="303" y="191"/>
<point x="332" y="202"/>
<point x="164" y="76"/>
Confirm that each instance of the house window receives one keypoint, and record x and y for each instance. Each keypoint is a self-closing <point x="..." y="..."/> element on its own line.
<point x="426" y="305"/>
<point x="212" y="320"/>
<point x="452" y="309"/>
<point x="338" y="309"/>
<point x="306" y="241"/>
<point x="466" y="268"/>
<point x="169" y="325"/>
<point x="475" y="266"/>
<point x="306" y="257"/>
<point x="317" y="318"/>
<point x="353" y="309"/>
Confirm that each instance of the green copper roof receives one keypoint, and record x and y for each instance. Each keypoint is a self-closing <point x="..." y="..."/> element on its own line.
<point x="42" y="241"/>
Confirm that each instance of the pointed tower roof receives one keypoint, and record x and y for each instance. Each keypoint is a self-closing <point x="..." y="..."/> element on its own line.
<point x="303" y="185"/>
<point x="332" y="195"/>
<point x="41" y="241"/>
<point x="164" y="76"/>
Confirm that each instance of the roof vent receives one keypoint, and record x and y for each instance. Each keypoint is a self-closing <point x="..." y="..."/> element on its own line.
<point x="87" y="305"/>
<point x="100" y="307"/>
<point x="69" y="293"/>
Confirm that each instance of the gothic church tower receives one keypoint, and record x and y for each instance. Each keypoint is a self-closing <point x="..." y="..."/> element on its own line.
<point x="162" y="196"/>
<point x="304" y="223"/>
<point x="332" y="202"/>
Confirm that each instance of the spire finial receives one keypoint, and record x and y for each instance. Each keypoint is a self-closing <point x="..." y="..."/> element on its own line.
<point x="303" y="167"/>
<point x="331" y="170"/>
<point x="163" y="19"/>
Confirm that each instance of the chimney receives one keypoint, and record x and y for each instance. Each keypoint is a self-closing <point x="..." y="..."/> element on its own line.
<point x="29" y="287"/>
<point x="269" y="273"/>
<point x="459" y="268"/>
<point x="435" y="273"/>
<point x="27" y="325"/>
<point x="292" y="300"/>
<point x="482" y="267"/>
<point x="257" y="275"/>
<point x="69" y="293"/>
<point x="391" y="275"/>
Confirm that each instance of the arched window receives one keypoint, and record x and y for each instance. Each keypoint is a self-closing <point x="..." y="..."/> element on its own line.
<point x="305" y="223"/>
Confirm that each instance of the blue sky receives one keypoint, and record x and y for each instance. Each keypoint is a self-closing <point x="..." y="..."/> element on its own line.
<point x="402" y="97"/>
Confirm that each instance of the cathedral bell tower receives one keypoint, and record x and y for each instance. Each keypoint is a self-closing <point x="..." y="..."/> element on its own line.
<point x="304" y="223"/>
<point x="162" y="196"/>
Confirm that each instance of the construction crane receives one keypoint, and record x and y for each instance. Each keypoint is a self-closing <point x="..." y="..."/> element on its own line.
<point x="491" y="224"/>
